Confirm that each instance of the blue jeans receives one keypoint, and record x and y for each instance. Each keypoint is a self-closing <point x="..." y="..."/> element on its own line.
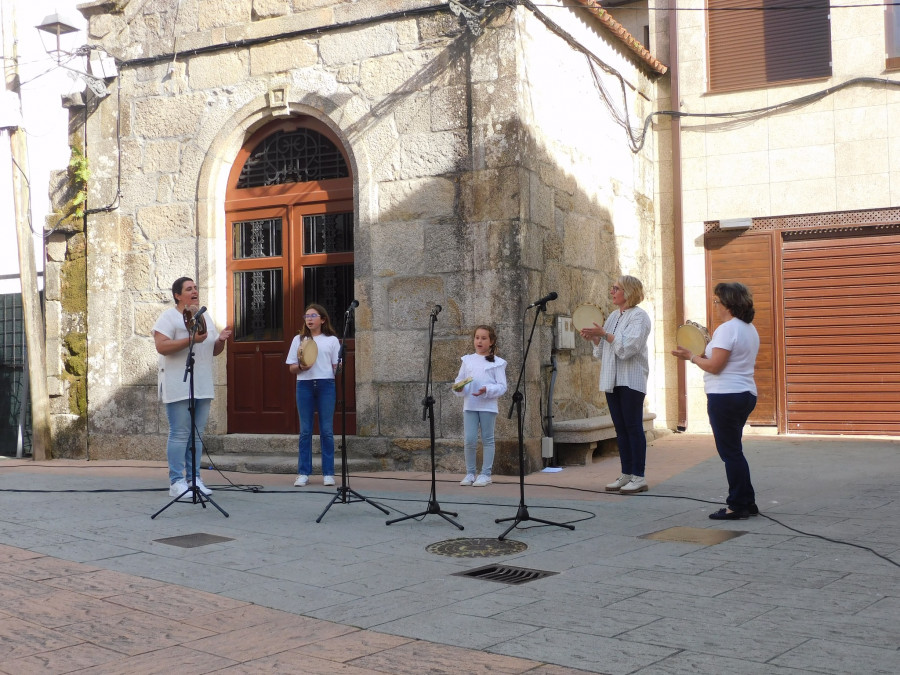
<point x="626" y="407"/>
<point x="178" y="446"/>
<point x="472" y="419"/>
<point x="728" y="414"/>
<point x="316" y="396"/>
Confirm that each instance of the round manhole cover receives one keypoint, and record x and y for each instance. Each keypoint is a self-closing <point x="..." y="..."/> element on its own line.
<point x="476" y="548"/>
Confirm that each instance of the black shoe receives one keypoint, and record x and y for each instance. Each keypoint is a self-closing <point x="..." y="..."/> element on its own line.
<point x="753" y="510"/>
<point x="725" y="514"/>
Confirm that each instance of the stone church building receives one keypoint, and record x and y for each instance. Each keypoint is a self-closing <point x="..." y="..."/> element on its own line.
<point x="404" y="153"/>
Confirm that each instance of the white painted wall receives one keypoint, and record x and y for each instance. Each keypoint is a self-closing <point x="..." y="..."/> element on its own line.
<point x="44" y="82"/>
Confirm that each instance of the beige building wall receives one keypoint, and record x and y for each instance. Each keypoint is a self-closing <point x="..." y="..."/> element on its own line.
<point x="839" y="153"/>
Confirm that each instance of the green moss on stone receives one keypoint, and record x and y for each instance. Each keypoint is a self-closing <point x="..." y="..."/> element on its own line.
<point x="78" y="397"/>
<point x="76" y="361"/>
<point x="75" y="364"/>
<point x="73" y="281"/>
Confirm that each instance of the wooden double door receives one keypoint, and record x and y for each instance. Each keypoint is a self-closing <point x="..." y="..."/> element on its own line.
<point x="290" y="221"/>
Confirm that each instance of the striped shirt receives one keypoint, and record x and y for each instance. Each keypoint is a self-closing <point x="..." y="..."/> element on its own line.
<point x="625" y="360"/>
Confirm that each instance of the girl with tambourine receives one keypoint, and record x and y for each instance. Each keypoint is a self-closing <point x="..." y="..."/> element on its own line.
<point x="315" y="389"/>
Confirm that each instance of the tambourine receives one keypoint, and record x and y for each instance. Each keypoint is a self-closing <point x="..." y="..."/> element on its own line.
<point x="307" y="352"/>
<point x="693" y="337"/>
<point x="459" y="386"/>
<point x="193" y="324"/>
<point x="585" y="316"/>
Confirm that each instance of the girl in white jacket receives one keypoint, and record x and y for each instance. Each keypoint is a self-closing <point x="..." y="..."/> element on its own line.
<point x="481" y="381"/>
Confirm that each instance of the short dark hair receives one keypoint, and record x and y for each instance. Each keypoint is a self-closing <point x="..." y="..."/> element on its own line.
<point x="737" y="299"/>
<point x="177" y="285"/>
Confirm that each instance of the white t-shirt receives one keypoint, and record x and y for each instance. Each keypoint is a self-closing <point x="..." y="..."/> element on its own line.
<point x="170" y="377"/>
<point x="329" y="352"/>
<point x="742" y="340"/>
<point x="488" y="374"/>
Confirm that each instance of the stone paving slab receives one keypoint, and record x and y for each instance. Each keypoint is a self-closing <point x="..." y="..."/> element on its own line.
<point x="87" y="585"/>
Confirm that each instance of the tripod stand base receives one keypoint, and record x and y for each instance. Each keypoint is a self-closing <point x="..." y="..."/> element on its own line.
<point x="197" y="497"/>
<point x="347" y="496"/>
<point x="522" y="516"/>
<point x="433" y="509"/>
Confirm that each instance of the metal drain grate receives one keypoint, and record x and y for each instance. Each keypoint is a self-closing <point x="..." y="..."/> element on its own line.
<point x="506" y="574"/>
<point x="193" y="540"/>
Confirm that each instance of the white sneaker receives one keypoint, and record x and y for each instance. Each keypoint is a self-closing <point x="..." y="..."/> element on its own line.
<point x="635" y="485"/>
<point x="301" y="480"/>
<point x="205" y="490"/>
<point x="468" y="480"/>
<point x="328" y="480"/>
<point x="619" y="483"/>
<point x="481" y="481"/>
<point x="178" y="488"/>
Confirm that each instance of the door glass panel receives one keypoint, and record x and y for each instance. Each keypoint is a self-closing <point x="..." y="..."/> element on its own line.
<point x="332" y="287"/>
<point x="257" y="238"/>
<point x="258" y="299"/>
<point x="328" y="233"/>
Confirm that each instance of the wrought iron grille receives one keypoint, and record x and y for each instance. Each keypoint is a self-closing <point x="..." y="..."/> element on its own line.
<point x="15" y="406"/>
<point x="258" y="302"/>
<point x="332" y="287"/>
<point x="328" y="233"/>
<point x="292" y="157"/>
<point x="257" y="238"/>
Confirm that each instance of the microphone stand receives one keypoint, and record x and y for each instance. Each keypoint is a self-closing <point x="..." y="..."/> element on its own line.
<point x="522" y="512"/>
<point x="344" y="493"/>
<point x="428" y="410"/>
<point x="197" y="496"/>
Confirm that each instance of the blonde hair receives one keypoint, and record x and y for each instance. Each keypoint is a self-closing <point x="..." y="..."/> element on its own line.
<point x="633" y="288"/>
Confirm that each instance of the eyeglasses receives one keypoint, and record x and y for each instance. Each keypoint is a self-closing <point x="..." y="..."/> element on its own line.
<point x="616" y="289"/>
<point x="310" y="316"/>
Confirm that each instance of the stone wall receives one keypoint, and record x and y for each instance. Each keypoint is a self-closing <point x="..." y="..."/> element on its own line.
<point x="472" y="192"/>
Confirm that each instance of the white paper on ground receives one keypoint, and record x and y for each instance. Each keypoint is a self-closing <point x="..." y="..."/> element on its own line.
<point x="552" y="469"/>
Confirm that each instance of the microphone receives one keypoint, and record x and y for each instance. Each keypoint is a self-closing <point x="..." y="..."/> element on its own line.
<point x="436" y="310"/>
<point x="199" y="313"/>
<point x="353" y="305"/>
<point x="552" y="295"/>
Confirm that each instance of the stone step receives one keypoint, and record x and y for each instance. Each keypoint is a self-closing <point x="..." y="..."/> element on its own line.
<point x="272" y="445"/>
<point x="282" y="463"/>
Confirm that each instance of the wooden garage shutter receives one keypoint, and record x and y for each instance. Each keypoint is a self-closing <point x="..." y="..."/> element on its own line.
<point x="753" y="43"/>
<point x="842" y="335"/>
<point x="748" y="259"/>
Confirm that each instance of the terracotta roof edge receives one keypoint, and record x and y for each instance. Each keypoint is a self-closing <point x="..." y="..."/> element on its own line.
<point x="627" y="38"/>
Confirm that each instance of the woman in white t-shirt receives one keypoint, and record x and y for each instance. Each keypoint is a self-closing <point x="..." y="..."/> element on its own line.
<point x="316" y="392"/>
<point x="172" y="338"/>
<point x="728" y="364"/>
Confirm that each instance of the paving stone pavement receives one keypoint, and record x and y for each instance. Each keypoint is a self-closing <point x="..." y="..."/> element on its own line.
<point x="88" y="586"/>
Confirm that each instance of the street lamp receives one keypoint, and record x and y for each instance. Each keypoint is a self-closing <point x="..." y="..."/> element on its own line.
<point x="59" y="23"/>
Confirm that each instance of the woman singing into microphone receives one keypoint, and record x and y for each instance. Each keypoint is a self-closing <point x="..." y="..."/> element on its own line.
<point x="172" y="337"/>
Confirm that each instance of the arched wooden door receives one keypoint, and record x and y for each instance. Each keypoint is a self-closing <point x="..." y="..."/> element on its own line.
<point x="289" y="213"/>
